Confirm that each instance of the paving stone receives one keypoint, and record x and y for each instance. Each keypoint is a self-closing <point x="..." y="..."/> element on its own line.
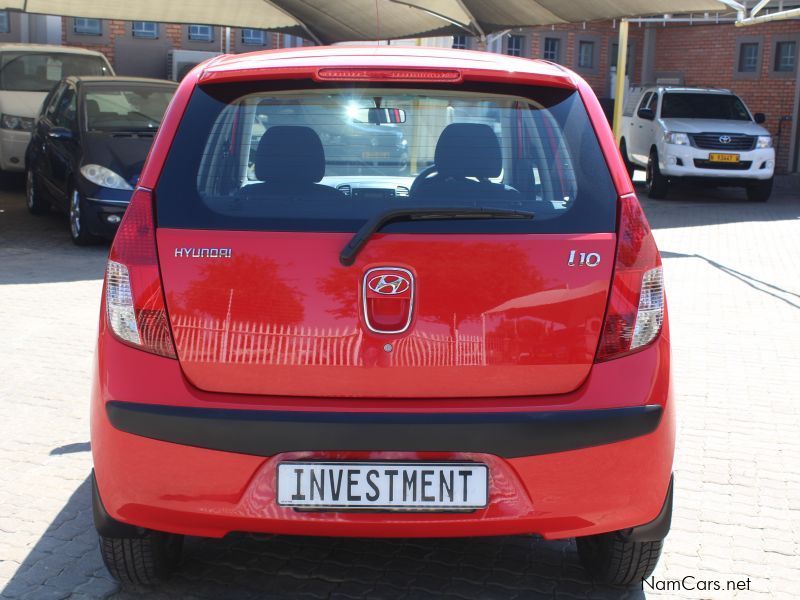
<point x="733" y="282"/>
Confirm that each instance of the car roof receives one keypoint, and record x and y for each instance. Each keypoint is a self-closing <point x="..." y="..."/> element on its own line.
<point x="313" y="57"/>
<point x="84" y="79"/>
<point x="48" y="48"/>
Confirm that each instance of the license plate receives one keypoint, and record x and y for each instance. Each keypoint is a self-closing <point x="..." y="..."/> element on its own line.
<point x="727" y="158"/>
<point x="383" y="485"/>
<point x="373" y="155"/>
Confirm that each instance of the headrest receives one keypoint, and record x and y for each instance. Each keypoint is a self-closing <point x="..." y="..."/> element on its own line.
<point x="290" y="153"/>
<point x="468" y="150"/>
<point x="92" y="108"/>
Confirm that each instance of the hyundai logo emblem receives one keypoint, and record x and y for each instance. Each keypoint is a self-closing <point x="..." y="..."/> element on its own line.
<point x="389" y="285"/>
<point x="724" y="139"/>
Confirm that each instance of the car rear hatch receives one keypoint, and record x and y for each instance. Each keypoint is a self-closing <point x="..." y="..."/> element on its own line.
<point x="250" y="246"/>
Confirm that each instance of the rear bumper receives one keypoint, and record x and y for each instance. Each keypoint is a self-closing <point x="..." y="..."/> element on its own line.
<point x="267" y="433"/>
<point x="576" y="482"/>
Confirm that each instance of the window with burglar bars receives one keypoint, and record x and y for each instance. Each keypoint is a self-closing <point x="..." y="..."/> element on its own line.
<point x="460" y="42"/>
<point x="586" y="55"/>
<point x="552" y="49"/>
<point x="201" y="33"/>
<point x="144" y="29"/>
<point x="785" y="56"/>
<point x="253" y="37"/>
<point x="514" y="45"/>
<point x="748" y="57"/>
<point x="87" y="26"/>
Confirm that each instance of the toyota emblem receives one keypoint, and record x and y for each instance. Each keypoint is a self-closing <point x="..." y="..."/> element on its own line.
<point x="724" y="139"/>
<point x="389" y="284"/>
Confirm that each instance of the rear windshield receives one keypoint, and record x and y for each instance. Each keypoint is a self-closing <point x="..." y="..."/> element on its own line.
<point x="328" y="158"/>
<point x="40" y="71"/>
<point x="703" y="106"/>
<point x="131" y="107"/>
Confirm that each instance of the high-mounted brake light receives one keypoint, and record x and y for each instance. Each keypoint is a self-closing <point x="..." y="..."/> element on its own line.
<point x="134" y="299"/>
<point x="636" y="304"/>
<point x="383" y="74"/>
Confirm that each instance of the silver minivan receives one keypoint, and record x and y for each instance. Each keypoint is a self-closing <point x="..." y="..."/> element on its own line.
<point x="27" y="73"/>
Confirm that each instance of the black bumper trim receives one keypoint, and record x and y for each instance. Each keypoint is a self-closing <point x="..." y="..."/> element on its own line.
<point x="657" y="529"/>
<point x="105" y="524"/>
<point x="266" y="433"/>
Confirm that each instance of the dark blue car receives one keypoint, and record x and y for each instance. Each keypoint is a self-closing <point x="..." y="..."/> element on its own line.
<point x="88" y="146"/>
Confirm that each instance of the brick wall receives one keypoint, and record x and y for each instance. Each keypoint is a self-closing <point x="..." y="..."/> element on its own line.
<point x="707" y="56"/>
<point x="606" y="34"/>
<point x="172" y="32"/>
<point x="703" y="55"/>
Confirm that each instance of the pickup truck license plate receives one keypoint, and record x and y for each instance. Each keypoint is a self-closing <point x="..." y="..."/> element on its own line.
<point x="383" y="485"/>
<point x="727" y="158"/>
<point x="367" y="155"/>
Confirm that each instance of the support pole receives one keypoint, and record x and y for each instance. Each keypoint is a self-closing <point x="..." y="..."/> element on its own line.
<point x="619" y="94"/>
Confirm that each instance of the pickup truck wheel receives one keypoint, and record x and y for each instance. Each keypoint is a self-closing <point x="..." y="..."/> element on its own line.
<point x="623" y="150"/>
<point x="657" y="184"/>
<point x="759" y="191"/>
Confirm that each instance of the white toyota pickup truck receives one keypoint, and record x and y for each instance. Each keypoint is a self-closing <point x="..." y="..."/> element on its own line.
<point x="707" y="135"/>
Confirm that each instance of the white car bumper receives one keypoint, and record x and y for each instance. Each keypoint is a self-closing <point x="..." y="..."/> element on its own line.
<point x="687" y="161"/>
<point x="13" y="145"/>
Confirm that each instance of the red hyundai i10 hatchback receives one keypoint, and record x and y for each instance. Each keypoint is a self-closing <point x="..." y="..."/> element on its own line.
<point x="383" y="292"/>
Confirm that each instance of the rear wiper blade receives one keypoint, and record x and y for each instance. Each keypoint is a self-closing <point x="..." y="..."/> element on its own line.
<point x="376" y="223"/>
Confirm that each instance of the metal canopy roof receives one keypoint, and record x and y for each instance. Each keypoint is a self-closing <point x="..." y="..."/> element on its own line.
<point x="329" y="21"/>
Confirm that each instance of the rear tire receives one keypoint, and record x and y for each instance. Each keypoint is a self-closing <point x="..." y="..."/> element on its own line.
<point x="37" y="205"/>
<point x="144" y="560"/>
<point x="657" y="184"/>
<point x="759" y="191"/>
<point x="610" y="559"/>
<point x="623" y="150"/>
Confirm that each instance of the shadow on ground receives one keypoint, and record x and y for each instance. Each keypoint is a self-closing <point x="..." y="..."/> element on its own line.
<point x="789" y="297"/>
<point x="38" y="249"/>
<point x="66" y="563"/>
<point x="696" y="206"/>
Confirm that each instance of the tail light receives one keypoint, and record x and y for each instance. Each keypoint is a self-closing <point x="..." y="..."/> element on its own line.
<point x="383" y="74"/>
<point x="636" y="304"/>
<point x="134" y="299"/>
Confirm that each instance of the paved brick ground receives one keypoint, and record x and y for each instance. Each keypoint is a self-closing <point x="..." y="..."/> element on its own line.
<point x="734" y="293"/>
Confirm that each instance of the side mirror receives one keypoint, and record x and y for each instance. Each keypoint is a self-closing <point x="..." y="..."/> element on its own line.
<point x="759" y="118"/>
<point x="646" y="113"/>
<point x="60" y="133"/>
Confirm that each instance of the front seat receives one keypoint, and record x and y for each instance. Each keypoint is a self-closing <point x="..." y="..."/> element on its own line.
<point x="466" y="152"/>
<point x="290" y="161"/>
<point x="93" y="111"/>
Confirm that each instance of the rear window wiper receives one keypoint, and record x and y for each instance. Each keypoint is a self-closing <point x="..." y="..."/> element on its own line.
<point x="376" y="223"/>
